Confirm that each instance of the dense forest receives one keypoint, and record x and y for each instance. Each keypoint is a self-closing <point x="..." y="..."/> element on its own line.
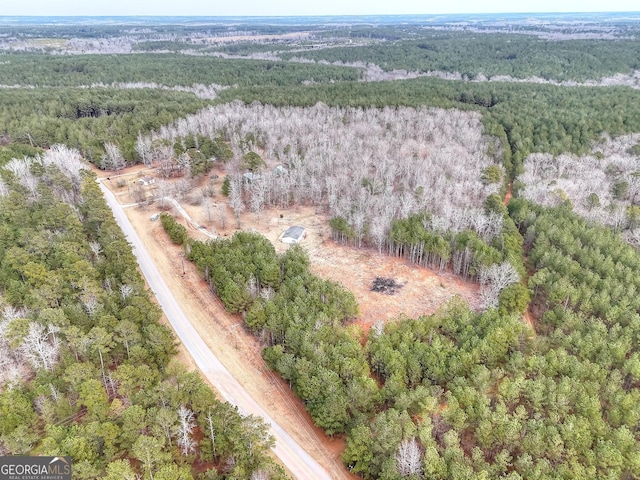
<point x="86" y="368"/>
<point x="526" y="117"/>
<point x="543" y="382"/>
<point x="87" y="119"/>
<point x="601" y="185"/>
<point x="165" y="69"/>
<point x="461" y="393"/>
<point x="445" y="214"/>
<point x="472" y="55"/>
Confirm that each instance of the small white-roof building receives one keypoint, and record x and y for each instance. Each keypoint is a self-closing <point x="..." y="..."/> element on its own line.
<point x="293" y="234"/>
<point x="147" y="181"/>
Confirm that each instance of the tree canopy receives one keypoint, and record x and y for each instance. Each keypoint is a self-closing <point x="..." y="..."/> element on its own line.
<point x="86" y="367"/>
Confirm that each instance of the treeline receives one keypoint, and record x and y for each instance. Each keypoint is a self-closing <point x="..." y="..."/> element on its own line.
<point x="164" y="46"/>
<point x="176" y="231"/>
<point x="474" y="54"/>
<point x="469" y="253"/>
<point x="419" y="240"/>
<point x="302" y="320"/>
<point x="473" y="395"/>
<point x="86" y="368"/>
<point x="17" y="150"/>
<point x="527" y="118"/>
<point x="581" y="268"/>
<point x="165" y="69"/>
<point x="458" y="394"/>
<point x="34" y="30"/>
<point x="86" y="119"/>
<point x="248" y="47"/>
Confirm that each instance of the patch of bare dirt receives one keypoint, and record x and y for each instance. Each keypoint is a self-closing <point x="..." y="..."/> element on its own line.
<point x="530" y="320"/>
<point x="507" y="196"/>
<point x="423" y="292"/>
<point x="238" y="350"/>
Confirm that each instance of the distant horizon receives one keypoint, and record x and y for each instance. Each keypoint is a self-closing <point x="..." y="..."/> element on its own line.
<point x="634" y="15"/>
<point x="294" y="8"/>
<point x="331" y="14"/>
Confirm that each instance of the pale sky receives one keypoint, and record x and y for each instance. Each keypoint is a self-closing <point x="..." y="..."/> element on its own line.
<point x="304" y="7"/>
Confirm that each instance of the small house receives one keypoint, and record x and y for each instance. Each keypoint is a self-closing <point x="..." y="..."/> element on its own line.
<point x="144" y="181"/>
<point x="293" y="234"/>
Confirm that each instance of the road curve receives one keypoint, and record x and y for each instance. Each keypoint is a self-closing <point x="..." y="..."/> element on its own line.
<point x="297" y="461"/>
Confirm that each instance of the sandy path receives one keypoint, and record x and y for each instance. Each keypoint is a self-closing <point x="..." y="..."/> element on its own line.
<point x="423" y="292"/>
<point x="237" y="350"/>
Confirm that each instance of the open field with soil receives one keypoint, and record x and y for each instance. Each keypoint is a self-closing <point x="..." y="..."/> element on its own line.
<point x="423" y="291"/>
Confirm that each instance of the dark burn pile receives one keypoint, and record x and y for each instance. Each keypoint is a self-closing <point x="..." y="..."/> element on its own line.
<point x="388" y="286"/>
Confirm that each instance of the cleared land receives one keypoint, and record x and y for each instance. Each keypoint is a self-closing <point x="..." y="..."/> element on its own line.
<point x="238" y="350"/>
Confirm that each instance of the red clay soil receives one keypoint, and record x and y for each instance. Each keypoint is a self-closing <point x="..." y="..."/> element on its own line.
<point x="423" y="292"/>
<point x="507" y="197"/>
<point x="530" y="319"/>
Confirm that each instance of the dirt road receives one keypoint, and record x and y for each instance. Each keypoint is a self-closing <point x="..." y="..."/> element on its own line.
<point x="239" y="351"/>
<point x="297" y="461"/>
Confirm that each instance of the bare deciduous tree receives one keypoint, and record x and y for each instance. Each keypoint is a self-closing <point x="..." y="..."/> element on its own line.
<point x="259" y="475"/>
<point x="182" y="186"/>
<point x="253" y="287"/>
<point x="112" y="158"/>
<point x="68" y="160"/>
<point x="211" y="432"/>
<point x="143" y="149"/>
<point x="21" y="168"/>
<point x="208" y="206"/>
<point x="377" y="233"/>
<point x="41" y="346"/>
<point x="377" y="328"/>
<point x="125" y="291"/>
<point x="4" y="190"/>
<point x="257" y="193"/>
<point x="235" y="199"/>
<point x="222" y="215"/>
<point x="96" y="249"/>
<point x="186" y="424"/>
<point x="409" y="458"/>
<point x="357" y="220"/>
<point x="493" y="279"/>
<point x="163" y="189"/>
<point x="90" y="303"/>
<point x="138" y="194"/>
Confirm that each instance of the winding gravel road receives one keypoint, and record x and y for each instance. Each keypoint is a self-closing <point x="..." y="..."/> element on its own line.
<point x="297" y="461"/>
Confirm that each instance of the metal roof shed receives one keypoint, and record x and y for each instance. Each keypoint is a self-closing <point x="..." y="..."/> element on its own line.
<point x="293" y="234"/>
